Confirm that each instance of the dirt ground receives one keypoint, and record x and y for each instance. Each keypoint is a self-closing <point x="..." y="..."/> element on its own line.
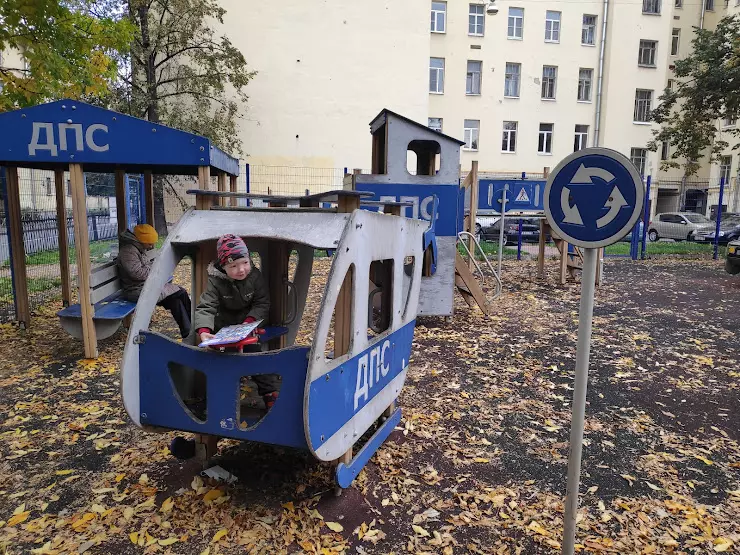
<point x="477" y="465"/>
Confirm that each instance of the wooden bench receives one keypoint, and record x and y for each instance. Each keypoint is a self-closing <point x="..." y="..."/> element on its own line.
<point x="109" y="306"/>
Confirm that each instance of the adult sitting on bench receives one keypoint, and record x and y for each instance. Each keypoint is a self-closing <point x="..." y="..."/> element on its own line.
<point x="134" y="267"/>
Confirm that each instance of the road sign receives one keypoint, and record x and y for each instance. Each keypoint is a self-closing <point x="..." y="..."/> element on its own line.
<point x="522" y="195"/>
<point x="594" y="197"/>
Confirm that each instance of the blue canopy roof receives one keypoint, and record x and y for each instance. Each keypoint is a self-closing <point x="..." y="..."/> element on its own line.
<point x="65" y="132"/>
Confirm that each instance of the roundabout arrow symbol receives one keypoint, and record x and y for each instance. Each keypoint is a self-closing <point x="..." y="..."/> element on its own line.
<point x="614" y="203"/>
<point x="572" y="215"/>
<point x="584" y="175"/>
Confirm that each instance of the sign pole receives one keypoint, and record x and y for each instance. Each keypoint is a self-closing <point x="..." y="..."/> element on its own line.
<point x="585" y="317"/>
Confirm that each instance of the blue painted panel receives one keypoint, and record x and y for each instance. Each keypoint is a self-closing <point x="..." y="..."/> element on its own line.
<point x="337" y="396"/>
<point x="160" y="405"/>
<point x="108" y="309"/>
<point x="523" y="195"/>
<point x="69" y="131"/>
<point x="449" y="218"/>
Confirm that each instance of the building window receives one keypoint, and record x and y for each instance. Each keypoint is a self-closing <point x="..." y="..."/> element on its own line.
<point x="516" y="23"/>
<point x="509" y="142"/>
<point x="472" y="82"/>
<point x="436" y="75"/>
<point x="665" y="150"/>
<point x="549" y="82"/>
<point x="581" y="140"/>
<point x="725" y="163"/>
<point x="638" y="156"/>
<point x="471" y="132"/>
<point x="669" y="85"/>
<point x="675" y="38"/>
<point x="585" y="80"/>
<point x="552" y="27"/>
<point x="588" y="31"/>
<point x="679" y="3"/>
<point x="512" y="79"/>
<point x="643" y="101"/>
<point x="544" y="146"/>
<point x="439" y="17"/>
<point x="729" y="122"/>
<point x="476" y="20"/>
<point x="709" y="4"/>
<point x="48" y="186"/>
<point x="646" y="53"/>
<point x="435" y="124"/>
<point x="651" y="6"/>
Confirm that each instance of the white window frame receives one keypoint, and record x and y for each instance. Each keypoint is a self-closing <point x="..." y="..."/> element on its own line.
<point x="440" y="76"/>
<point x="728" y="123"/>
<point x="649" y="47"/>
<point x="435" y="128"/>
<point x="516" y="78"/>
<point x="709" y="5"/>
<point x="544" y="139"/>
<point x="651" y="7"/>
<point x="515" y="23"/>
<point x="508" y="140"/>
<point x="643" y="106"/>
<point x="549" y="85"/>
<point x="581" y="137"/>
<point x="725" y="168"/>
<point x="470" y="79"/>
<point x="585" y="84"/>
<point x="665" y="150"/>
<point x="670" y="84"/>
<point x="679" y="4"/>
<point x="675" y="41"/>
<point x="435" y="18"/>
<point x="638" y="156"/>
<point x="476" y="20"/>
<point x="471" y="135"/>
<point x="552" y="26"/>
<point x="589" y="29"/>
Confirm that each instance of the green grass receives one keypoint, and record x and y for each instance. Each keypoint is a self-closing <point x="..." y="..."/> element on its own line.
<point x="489" y="247"/>
<point x="667" y="247"/>
<point x="35" y="285"/>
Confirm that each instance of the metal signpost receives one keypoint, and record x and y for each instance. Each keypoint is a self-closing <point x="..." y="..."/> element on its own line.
<point x="592" y="199"/>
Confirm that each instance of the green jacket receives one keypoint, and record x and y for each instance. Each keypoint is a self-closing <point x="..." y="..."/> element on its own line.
<point x="227" y="302"/>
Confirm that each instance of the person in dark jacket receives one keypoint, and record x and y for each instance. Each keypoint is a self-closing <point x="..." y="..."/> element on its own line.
<point x="236" y="293"/>
<point x="134" y="267"/>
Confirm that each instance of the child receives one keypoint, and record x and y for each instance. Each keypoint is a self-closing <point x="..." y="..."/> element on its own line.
<point x="236" y="293"/>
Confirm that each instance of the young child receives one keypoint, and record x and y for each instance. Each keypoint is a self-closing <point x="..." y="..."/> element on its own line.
<point x="236" y="293"/>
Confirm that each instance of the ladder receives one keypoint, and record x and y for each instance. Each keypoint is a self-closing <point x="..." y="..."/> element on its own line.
<point x="468" y="274"/>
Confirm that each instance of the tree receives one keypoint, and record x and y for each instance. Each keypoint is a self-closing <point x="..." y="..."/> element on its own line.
<point x="707" y="90"/>
<point x="181" y="74"/>
<point x="68" y="51"/>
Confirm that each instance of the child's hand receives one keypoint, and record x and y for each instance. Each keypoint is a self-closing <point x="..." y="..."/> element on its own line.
<point x="205" y="336"/>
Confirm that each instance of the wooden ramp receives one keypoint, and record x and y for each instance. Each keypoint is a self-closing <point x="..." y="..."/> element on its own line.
<point x="468" y="286"/>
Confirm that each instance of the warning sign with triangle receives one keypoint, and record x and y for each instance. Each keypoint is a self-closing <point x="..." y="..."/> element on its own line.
<point x="522" y="196"/>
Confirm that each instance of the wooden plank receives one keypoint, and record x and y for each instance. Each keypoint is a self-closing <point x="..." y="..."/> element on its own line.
<point x="393" y="209"/>
<point x="18" y="248"/>
<point x="103" y="274"/>
<point x="232" y="188"/>
<point x="473" y="210"/>
<point x="544" y="228"/>
<point x="104" y="291"/>
<point x="63" y="241"/>
<point x="121" y="208"/>
<point x="462" y="289"/>
<point x="221" y="182"/>
<point x="471" y="284"/>
<point x="149" y="197"/>
<point x="82" y="245"/>
<point x="343" y="310"/>
<point x="200" y="268"/>
<point x="563" y="261"/>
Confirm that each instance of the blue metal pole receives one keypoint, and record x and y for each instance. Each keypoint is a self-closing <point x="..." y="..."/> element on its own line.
<point x="635" y="241"/>
<point x="6" y="206"/>
<point x="646" y="217"/>
<point x="519" y="238"/>
<point x="719" y="217"/>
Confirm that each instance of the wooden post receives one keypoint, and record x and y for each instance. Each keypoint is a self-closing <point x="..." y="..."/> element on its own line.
<point x="473" y="210"/>
<point x="121" y="208"/>
<point x="221" y="187"/>
<point x="563" y="260"/>
<point x="18" y="249"/>
<point x="62" y="234"/>
<point x="202" y="258"/>
<point x="233" y="189"/>
<point x="82" y="244"/>
<point x="546" y="172"/>
<point x="544" y="228"/>
<point x="149" y="197"/>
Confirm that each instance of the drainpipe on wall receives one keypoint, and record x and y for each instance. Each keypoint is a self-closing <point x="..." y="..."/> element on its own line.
<point x="600" y="78"/>
<point x="703" y="11"/>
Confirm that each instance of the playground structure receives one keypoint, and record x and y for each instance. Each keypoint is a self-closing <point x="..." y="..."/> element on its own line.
<point x="73" y="136"/>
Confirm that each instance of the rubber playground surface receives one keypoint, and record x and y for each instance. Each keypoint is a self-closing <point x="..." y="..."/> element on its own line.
<point x="477" y="465"/>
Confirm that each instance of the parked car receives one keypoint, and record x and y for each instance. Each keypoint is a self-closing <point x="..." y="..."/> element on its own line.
<point x="628" y="238"/>
<point x="530" y="231"/>
<point x="729" y="230"/>
<point x="732" y="261"/>
<point x="680" y="226"/>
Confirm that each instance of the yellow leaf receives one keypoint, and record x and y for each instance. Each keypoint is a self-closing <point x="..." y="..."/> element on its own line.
<point x="220" y="534"/>
<point x="419" y="530"/>
<point x="143" y="479"/>
<point x="19" y="509"/>
<point x="629" y="478"/>
<point x="206" y="551"/>
<point x="64" y="472"/>
<point x="120" y="477"/>
<point x="704" y="460"/>
<point x="334" y="526"/>
<point x="537" y="527"/>
<point x="17" y="519"/>
<point x="653" y="486"/>
<point x="167" y="505"/>
<point x="96" y="508"/>
<point x="168" y="541"/>
<point x="722" y="544"/>
<point x="289" y="505"/>
<point x="480" y="460"/>
<point x="43" y="550"/>
<point x="213" y="494"/>
<point x="134" y="537"/>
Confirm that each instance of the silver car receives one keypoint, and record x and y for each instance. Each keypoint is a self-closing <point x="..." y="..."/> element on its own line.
<point x="678" y="225"/>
